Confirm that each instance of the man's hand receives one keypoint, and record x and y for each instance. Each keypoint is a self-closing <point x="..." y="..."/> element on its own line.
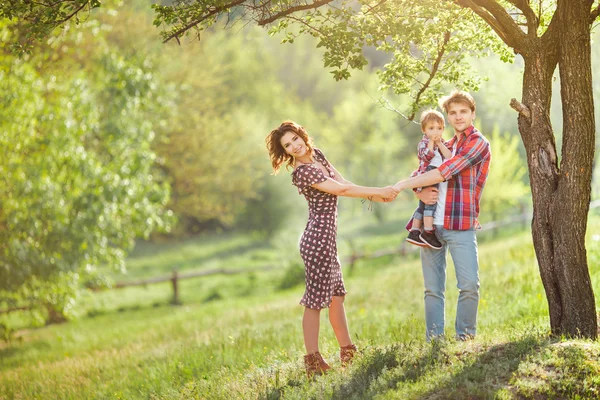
<point x="428" y="195"/>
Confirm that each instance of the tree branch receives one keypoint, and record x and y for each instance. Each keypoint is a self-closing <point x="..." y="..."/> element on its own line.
<point x="595" y="13"/>
<point x="68" y="17"/>
<point x="195" y="22"/>
<point x="385" y="103"/>
<point x="312" y="28"/>
<point x="499" y="20"/>
<point x="291" y="10"/>
<point x="520" y="108"/>
<point x="434" y="70"/>
<point x="533" y="21"/>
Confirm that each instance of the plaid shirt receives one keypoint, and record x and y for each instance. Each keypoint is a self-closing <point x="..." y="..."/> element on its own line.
<point x="466" y="174"/>
<point x="425" y="155"/>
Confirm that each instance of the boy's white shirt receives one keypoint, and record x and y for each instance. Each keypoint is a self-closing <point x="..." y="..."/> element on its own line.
<point x="440" y="210"/>
<point x="436" y="161"/>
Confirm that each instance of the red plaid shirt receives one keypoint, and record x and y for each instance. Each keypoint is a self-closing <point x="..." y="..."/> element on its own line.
<point x="466" y="174"/>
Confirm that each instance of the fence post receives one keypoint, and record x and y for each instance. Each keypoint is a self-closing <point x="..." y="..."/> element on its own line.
<point x="175" y="300"/>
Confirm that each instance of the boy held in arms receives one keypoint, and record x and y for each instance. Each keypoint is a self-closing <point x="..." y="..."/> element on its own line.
<point x="429" y="149"/>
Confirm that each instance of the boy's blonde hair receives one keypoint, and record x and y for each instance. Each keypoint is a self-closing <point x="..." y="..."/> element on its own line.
<point x="457" y="96"/>
<point x="431" y="116"/>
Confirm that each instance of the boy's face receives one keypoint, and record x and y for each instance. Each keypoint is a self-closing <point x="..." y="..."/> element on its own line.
<point x="460" y="116"/>
<point x="433" y="129"/>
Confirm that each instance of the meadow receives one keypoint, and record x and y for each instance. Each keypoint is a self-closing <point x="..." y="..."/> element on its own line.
<point x="239" y="337"/>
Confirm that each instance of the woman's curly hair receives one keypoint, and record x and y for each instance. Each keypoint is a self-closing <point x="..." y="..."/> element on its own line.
<point x="277" y="153"/>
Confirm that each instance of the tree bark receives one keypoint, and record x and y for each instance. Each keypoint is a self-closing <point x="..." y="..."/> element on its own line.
<point x="538" y="139"/>
<point x="572" y="199"/>
<point x="561" y="196"/>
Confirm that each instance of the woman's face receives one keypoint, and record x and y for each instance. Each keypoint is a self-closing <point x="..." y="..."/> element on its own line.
<point x="293" y="144"/>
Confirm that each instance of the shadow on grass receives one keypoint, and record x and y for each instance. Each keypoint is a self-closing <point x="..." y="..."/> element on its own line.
<point x="398" y="357"/>
<point x="485" y="373"/>
<point x="480" y="374"/>
<point x="144" y="270"/>
<point x="218" y="255"/>
<point x="14" y="354"/>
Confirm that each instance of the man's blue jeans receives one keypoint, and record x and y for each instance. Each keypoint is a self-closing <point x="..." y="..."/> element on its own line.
<point x="463" y="249"/>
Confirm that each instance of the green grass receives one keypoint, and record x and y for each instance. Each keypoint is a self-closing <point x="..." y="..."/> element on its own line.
<point x="240" y="337"/>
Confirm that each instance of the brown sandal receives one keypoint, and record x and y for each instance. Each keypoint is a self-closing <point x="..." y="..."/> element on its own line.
<point x="315" y="365"/>
<point x="347" y="354"/>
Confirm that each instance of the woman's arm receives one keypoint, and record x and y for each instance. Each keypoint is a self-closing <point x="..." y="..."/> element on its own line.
<point x="339" y="177"/>
<point x="351" y="190"/>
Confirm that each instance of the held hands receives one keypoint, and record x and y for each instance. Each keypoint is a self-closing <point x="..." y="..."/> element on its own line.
<point x="388" y="193"/>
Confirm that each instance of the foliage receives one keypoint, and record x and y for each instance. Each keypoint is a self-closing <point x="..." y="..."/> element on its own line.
<point x="292" y="277"/>
<point x="37" y="20"/>
<point x="506" y="185"/>
<point x="427" y="42"/>
<point x="78" y="169"/>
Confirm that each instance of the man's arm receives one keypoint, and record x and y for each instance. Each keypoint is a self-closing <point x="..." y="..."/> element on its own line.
<point x="471" y="154"/>
<point x="428" y="195"/>
<point x="427" y="179"/>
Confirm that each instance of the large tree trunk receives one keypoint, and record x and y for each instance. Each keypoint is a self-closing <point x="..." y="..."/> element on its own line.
<point x="538" y="138"/>
<point x="561" y="196"/>
<point x="572" y="199"/>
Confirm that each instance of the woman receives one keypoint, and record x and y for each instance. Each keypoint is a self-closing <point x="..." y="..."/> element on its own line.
<point x="321" y="184"/>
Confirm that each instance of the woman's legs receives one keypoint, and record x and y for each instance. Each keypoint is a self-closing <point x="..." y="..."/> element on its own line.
<point x="310" y="327"/>
<point x="313" y="361"/>
<point x="337" y="318"/>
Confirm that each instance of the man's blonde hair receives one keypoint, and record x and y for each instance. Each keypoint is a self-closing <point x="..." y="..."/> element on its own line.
<point x="457" y="96"/>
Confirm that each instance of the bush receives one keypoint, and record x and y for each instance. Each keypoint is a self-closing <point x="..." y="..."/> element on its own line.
<point x="293" y="276"/>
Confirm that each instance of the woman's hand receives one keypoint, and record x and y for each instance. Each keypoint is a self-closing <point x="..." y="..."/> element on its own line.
<point x="388" y="193"/>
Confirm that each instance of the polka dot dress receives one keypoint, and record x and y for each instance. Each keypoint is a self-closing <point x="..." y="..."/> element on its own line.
<point x="318" y="243"/>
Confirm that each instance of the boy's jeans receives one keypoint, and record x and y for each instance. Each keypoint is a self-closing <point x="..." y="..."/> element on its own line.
<point x="426" y="210"/>
<point x="463" y="249"/>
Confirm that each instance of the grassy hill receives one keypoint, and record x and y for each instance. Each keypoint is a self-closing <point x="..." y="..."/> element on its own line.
<point x="240" y="337"/>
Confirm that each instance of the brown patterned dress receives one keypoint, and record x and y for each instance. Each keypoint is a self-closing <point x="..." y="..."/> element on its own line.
<point x="318" y="243"/>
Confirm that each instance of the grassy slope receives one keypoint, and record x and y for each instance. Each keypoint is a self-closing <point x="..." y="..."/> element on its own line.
<point x="248" y="344"/>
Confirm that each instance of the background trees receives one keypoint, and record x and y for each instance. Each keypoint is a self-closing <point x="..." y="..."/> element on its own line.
<point x="78" y="170"/>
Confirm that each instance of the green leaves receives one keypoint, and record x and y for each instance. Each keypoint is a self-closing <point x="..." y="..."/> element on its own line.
<point x="37" y="20"/>
<point x="507" y="178"/>
<point x="79" y="178"/>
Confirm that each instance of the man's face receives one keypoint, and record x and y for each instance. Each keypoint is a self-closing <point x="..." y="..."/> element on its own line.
<point x="460" y="116"/>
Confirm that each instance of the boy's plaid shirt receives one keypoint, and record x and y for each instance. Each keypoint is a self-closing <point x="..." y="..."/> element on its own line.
<point x="425" y="155"/>
<point x="466" y="174"/>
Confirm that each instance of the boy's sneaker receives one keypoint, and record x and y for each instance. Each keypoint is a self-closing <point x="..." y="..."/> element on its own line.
<point x="413" y="238"/>
<point x="429" y="238"/>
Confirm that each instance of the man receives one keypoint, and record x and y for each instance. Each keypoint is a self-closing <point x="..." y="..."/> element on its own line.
<point x="461" y="180"/>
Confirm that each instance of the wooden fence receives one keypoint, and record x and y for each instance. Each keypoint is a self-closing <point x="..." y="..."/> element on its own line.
<point x="350" y="260"/>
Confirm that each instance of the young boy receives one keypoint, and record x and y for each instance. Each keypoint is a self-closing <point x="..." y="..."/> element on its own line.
<point x="429" y="149"/>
